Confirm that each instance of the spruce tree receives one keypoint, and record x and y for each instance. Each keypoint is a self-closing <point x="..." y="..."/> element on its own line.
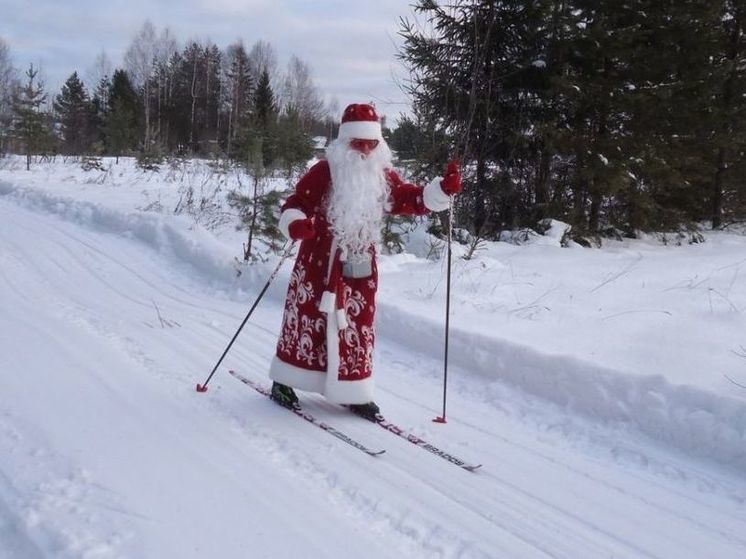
<point x="406" y="139"/>
<point x="473" y="86"/>
<point x="265" y="120"/>
<point x="677" y="115"/>
<point x="265" y="107"/>
<point x="609" y="115"/>
<point x="74" y="114"/>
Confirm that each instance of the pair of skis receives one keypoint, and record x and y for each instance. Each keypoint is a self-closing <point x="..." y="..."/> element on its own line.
<point x="381" y="422"/>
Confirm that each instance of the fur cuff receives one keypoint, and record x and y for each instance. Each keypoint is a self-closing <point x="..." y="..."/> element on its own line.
<point x="287" y="217"/>
<point x="433" y="196"/>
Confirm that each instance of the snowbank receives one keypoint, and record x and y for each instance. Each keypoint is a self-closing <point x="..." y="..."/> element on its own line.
<point x="519" y="344"/>
<point x="697" y="421"/>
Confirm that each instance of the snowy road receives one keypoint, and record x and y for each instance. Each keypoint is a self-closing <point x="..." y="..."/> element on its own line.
<point x="107" y="451"/>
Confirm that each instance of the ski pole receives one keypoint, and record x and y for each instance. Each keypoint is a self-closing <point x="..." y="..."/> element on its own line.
<point x="203" y="387"/>
<point x="442" y="418"/>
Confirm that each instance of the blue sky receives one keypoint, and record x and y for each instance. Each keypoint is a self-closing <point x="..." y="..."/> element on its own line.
<point x="350" y="46"/>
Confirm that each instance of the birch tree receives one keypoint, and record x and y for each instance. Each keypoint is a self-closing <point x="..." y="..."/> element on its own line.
<point x="8" y="81"/>
<point x="139" y="61"/>
<point x="300" y="96"/>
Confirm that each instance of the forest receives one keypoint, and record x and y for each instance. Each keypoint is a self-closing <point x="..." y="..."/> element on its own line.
<point x="614" y="117"/>
<point x="197" y="101"/>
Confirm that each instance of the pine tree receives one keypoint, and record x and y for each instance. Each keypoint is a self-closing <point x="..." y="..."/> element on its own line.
<point x="100" y="112"/>
<point x="122" y="126"/>
<point x="294" y="146"/>
<point x="196" y="95"/>
<point x="29" y="119"/>
<point x="74" y="113"/>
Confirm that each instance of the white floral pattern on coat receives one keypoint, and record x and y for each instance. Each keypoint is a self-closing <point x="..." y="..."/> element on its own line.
<point x="297" y="330"/>
<point x="356" y="359"/>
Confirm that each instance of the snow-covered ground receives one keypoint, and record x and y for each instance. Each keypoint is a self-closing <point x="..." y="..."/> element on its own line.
<point x="599" y="388"/>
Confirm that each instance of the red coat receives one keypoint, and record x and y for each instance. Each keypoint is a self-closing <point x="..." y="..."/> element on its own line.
<point x="328" y="319"/>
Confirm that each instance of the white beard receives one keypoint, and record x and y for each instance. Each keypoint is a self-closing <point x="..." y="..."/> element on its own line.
<point x="359" y="195"/>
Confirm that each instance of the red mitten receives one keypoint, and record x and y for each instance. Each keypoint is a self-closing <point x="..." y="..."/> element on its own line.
<point x="452" y="179"/>
<point x="301" y="229"/>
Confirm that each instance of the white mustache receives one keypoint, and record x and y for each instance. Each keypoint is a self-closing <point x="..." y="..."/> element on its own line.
<point x="359" y="194"/>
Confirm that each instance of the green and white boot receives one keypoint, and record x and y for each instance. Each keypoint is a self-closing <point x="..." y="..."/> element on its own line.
<point x="284" y="395"/>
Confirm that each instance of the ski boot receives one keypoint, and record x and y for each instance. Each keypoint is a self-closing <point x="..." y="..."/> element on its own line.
<point x="284" y="395"/>
<point x="369" y="411"/>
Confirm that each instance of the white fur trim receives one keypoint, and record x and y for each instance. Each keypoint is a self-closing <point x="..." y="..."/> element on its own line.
<point x="433" y="196"/>
<point x="302" y="379"/>
<point x="349" y="391"/>
<point x="342" y="391"/>
<point x="326" y="305"/>
<point x="342" y="319"/>
<point x="332" y="256"/>
<point x="361" y="129"/>
<point x="335" y="390"/>
<point x="287" y="217"/>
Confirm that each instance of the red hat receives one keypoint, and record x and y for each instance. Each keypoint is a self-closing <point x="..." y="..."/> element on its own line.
<point x="360" y="121"/>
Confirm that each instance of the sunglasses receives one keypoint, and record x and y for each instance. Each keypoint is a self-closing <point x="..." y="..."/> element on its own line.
<point x="363" y="146"/>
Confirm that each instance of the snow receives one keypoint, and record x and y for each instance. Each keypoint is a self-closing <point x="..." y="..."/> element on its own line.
<point x="599" y="388"/>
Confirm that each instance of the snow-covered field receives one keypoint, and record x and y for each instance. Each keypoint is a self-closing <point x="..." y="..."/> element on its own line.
<point x="600" y="389"/>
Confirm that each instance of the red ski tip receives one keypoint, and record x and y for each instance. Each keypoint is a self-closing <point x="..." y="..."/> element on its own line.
<point x="440" y="419"/>
<point x="201" y="388"/>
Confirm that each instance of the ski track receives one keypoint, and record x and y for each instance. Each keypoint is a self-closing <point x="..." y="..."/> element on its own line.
<point x="551" y="485"/>
<point x="667" y="469"/>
